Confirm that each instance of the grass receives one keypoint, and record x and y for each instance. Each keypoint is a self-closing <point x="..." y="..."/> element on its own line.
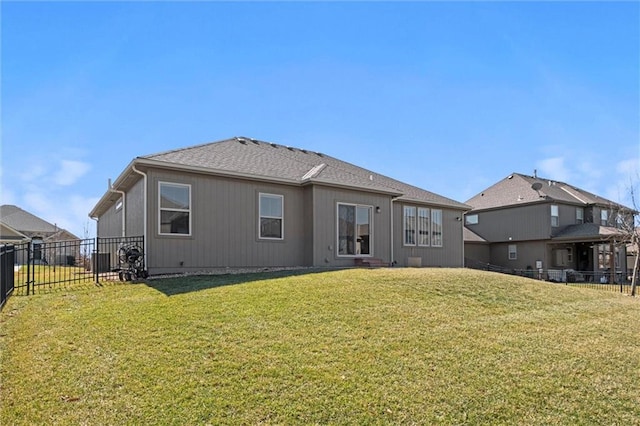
<point x="50" y="276"/>
<point x="384" y="346"/>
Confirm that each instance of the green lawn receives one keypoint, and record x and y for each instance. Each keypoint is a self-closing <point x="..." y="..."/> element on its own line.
<point x="383" y="346"/>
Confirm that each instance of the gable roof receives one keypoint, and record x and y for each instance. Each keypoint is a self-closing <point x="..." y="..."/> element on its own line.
<point x="258" y="160"/>
<point x="24" y="221"/>
<point x="517" y="189"/>
<point x="28" y="224"/>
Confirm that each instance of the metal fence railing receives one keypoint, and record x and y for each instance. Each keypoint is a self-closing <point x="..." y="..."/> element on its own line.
<point x="34" y="265"/>
<point x="7" y="260"/>
<point x="601" y="280"/>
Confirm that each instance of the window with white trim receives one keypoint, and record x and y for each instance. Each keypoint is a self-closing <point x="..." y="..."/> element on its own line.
<point x="604" y="217"/>
<point x="174" y="212"/>
<point x="271" y="208"/>
<point x="355" y="230"/>
<point x="555" y="216"/>
<point x="436" y="228"/>
<point x="579" y="215"/>
<point x="409" y="226"/>
<point x="423" y="226"/>
<point x="513" y="252"/>
<point x="119" y="205"/>
<point x="471" y="219"/>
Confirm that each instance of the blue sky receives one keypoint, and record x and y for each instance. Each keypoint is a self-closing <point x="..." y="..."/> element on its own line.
<point x="447" y="96"/>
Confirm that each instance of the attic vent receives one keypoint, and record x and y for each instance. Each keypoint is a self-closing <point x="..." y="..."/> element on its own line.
<point x="314" y="171"/>
<point x="275" y="145"/>
<point x="255" y="141"/>
<point x="290" y="148"/>
<point x="319" y="154"/>
<point x="304" y="150"/>
<point x="242" y="141"/>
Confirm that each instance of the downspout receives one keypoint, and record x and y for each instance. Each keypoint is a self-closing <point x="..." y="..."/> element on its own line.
<point x="144" y="210"/>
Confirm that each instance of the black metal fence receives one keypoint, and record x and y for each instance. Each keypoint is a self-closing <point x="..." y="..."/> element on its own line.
<point x="7" y="260"/>
<point x="601" y="280"/>
<point x="34" y="265"/>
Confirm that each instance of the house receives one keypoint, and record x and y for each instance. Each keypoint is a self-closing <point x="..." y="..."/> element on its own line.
<point x="530" y="223"/>
<point x="242" y="202"/>
<point x="19" y="226"/>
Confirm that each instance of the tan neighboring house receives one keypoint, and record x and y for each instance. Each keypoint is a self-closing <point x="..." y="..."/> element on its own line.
<point x="19" y="226"/>
<point x="530" y="223"/>
<point x="242" y="202"/>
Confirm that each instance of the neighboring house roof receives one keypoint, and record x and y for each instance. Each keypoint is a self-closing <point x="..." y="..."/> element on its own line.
<point x="471" y="237"/>
<point x="8" y="234"/>
<point x="27" y="223"/>
<point x="252" y="159"/>
<point x="517" y="189"/>
<point x="588" y="231"/>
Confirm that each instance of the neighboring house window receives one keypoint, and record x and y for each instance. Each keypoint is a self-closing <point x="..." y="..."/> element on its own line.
<point x="579" y="215"/>
<point x="271" y="216"/>
<point x="175" y="208"/>
<point x="513" y="252"/>
<point x="436" y="228"/>
<point x="619" y="221"/>
<point x="604" y="217"/>
<point x="555" y="219"/>
<point x="354" y="230"/>
<point x="409" y="226"/>
<point x="471" y="219"/>
<point x="423" y="226"/>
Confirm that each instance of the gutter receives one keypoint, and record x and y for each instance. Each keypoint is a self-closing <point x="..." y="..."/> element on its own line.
<point x="144" y="209"/>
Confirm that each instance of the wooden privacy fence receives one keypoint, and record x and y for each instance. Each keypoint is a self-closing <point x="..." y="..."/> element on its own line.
<point x="29" y="266"/>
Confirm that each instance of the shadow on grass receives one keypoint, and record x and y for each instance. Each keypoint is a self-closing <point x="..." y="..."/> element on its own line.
<point x="189" y="283"/>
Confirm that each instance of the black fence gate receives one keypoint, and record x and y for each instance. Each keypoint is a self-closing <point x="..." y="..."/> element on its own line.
<point x="30" y="266"/>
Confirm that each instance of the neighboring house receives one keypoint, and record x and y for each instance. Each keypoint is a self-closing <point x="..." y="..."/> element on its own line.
<point x="248" y="203"/>
<point x="526" y="222"/>
<point x="19" y="226"/>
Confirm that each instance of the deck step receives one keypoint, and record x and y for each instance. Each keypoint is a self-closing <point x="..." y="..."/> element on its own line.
<point x="370" y="262"/>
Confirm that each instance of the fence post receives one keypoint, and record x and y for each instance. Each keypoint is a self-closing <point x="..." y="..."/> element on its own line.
<point x="96" y="261"/>
<point x="28" y="266"/>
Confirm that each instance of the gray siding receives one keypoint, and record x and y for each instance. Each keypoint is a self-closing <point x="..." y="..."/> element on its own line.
<point x="325" y="227"/>
<point x="110" y="223"/>
<point x="135" y="210"/>
<point x="451" y="252"/>
<point x="530" y="222"/>
<point x="527" y="254"/>
<point x="477" y="252"/>
<point x="224" y="226"/>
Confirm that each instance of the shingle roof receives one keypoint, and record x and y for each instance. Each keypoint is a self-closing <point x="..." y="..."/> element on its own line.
<point x="23" y="221"/>
<point x="518" y="189"/>
<point x="587" y="231"/>
<point x="266" y="160"/>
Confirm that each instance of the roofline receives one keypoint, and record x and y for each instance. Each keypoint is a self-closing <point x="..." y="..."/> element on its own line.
<point x="103" y="203"/>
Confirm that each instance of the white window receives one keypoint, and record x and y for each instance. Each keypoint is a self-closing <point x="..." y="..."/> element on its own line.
<point x="423" y="226"/>
<point x="119" y="205"/>
<point x="471" y="219"/>
<point x="436" y="228"/>
<point x="174" y="209"/>
<point x="604" y="217"/>
<point x="555" y="219"/>
<point x="271" y="207"/>
<point x="354" y="230"/>
<point x="513" y="252"/>
<point x="409" y="226"/>
<point x="579" y="215"/>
